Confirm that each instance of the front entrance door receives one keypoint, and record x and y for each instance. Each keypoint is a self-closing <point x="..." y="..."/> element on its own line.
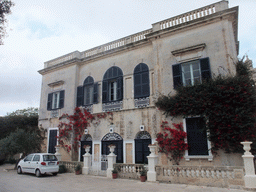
<point x="115" y="139"/>
<point x="118" y="150"/>
<point x="83" y="143"/>
<point x="142" y="140"/>
<point x="52" y="140"/>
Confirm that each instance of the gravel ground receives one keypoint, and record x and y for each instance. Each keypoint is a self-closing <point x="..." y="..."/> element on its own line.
<point x="10" y="181"/>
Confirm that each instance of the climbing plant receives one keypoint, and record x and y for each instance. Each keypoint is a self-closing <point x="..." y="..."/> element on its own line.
<point x="71" y="127"/>
<point x="228" y="103"/>
<point x="172" y="141"/>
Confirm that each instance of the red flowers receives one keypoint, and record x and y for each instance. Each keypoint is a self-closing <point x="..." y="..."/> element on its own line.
<point x="71" y="132"/>
<point x="171" y="141"/>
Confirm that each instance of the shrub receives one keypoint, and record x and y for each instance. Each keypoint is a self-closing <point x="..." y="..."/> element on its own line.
<point x="62" y="169"/>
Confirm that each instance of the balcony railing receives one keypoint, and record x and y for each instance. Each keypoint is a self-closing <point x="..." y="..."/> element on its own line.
<point x="174" y="21"/>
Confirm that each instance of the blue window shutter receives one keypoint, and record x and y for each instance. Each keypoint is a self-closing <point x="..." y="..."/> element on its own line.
<point x="80" y="96"/>
<point x="196" y="136"/>
<point x="62" y="96"/>
<point x="49" y="102"/>
<point x="205" y="68"/>
<point x="104" y="91"/>
<point x="120" y="88"/>
<point x="95" y="93"/>
<point x="145" y="84"/>
<point x="177" y="76"/>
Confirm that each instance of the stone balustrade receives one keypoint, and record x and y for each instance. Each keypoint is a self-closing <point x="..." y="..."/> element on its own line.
<point x="202" y="175"/>
<point x="174" y="21"/>
<point x="70" y="165"/>
<point x="129" y="171"/>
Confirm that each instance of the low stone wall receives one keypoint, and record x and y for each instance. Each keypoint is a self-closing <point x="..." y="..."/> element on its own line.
<point x="129" y="171"/>
<point x="70" y="165"/>
<point x="227" y="176"/>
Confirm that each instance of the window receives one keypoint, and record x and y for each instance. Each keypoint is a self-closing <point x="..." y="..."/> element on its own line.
<point x="112" y="85"/>
<point x="29" y="157"/>
<point x="88" y="93"/>
<point x="197" y="138"/>
<point x="191" y="73"/>
<point x="55" y="100"/>
<point x="36" y="158"/>
<point x="112" y="90"/>
<point x="141" y="81"/>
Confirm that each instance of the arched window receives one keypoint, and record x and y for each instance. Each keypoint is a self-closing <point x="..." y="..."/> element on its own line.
<point x="141" y="81"/>
<point x="112" y="88"/>
<point x="88" y="90"/>
<point x="88" y="93"/>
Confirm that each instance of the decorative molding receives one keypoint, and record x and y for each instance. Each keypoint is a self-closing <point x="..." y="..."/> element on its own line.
<point x="54" y="113"/>
<point x="199" y="47"/>
<point x="143" y="135"/>
<point x="141" y="103"/>
<point x="112" y="137"/>
<point x="113" y="106"/>
<point x="56" y="83"/>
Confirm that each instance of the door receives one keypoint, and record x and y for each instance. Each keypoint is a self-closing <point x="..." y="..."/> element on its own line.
<point x="118" y="150"/>
<point x="25" y="165"/>
<point x="34" y="163"/>
<point x="83" y="143"/>
<point x="142" y="150"/>
<point x="52" y="140"/>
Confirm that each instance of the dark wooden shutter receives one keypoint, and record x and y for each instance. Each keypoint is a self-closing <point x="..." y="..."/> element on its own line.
<point x="95" y="93"/>
<point x="177" y="76"/>
<point x="138" y="151"/>
<point x="197" y="137"/>
<point x="80" y="96"/>
<point x="52" y="141"/>
<point x="205" y="68"/>
<point x="145" y="84"/>
<point x="62" y="97"/>
<point x="49" y="102"/>
<point x="120" y="89"/>
<point x="137" y="85"/>
<point x="105" y="91"/>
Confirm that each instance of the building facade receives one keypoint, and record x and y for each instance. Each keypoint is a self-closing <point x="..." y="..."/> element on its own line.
<point x="126" y="77"/>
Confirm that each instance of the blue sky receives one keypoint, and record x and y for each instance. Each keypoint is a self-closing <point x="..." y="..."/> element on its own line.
<point x="39" y="31"/>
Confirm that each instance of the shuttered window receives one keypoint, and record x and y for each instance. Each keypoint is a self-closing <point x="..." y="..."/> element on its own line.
<point x="196" y="136"/>
<point x="191" y="73"/>
<point x="55" y="100"/>
<point x="88" y="93"/>
<point x="112" y="85"/>
<point x="141" y="81"/>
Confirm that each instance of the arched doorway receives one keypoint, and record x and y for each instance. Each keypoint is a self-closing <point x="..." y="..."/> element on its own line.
<point x="85" y="140"/>
<point x="115" y="139"/>
<point x="142" y="140"/>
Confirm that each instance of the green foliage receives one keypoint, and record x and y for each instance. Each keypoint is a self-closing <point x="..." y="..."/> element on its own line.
<point x="21" y="141"/>
<point x="26" y="119"/>
<point x="78" y="167"/>
<point x="62" y="169"/>
<point x="5" y="9"/>
<point x="228" y="104"/>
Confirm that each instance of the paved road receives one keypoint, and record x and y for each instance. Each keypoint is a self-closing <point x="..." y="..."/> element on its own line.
<point x="10" y="181"/>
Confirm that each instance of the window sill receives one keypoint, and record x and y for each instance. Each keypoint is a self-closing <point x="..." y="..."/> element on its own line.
<point x="188" y="157"/>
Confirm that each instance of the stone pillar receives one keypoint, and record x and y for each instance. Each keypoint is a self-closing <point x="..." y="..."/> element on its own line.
<point x="111" y="160"/>
<point x="87" y="160"/>
<point x="152" y="162"/>
<point x="57" y="154"/>
<point x="250" y="177"/>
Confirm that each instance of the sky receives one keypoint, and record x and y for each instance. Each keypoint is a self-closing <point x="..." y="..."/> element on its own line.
<point x="41" y="30"/>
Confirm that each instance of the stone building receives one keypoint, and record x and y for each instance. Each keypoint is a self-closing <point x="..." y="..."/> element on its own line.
<point x="126" y="76"/>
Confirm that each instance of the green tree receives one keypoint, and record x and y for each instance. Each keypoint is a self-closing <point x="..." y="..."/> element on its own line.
<point x="5" y="9"/>
<point x="21" y="141"/>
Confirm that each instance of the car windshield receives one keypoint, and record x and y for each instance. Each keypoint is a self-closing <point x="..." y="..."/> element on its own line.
<point x="50" y="158"/>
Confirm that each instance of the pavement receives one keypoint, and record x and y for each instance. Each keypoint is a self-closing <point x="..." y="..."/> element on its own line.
<point x="10" y="181"/>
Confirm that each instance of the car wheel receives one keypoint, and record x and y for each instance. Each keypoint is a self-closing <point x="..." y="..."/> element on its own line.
<point x="38" y="173"/>
<point x="19" y="171"/>
<point x="54" y="174"/>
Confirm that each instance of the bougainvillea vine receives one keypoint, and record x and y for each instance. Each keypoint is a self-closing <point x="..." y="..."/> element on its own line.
<point x="172" y="141"/>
